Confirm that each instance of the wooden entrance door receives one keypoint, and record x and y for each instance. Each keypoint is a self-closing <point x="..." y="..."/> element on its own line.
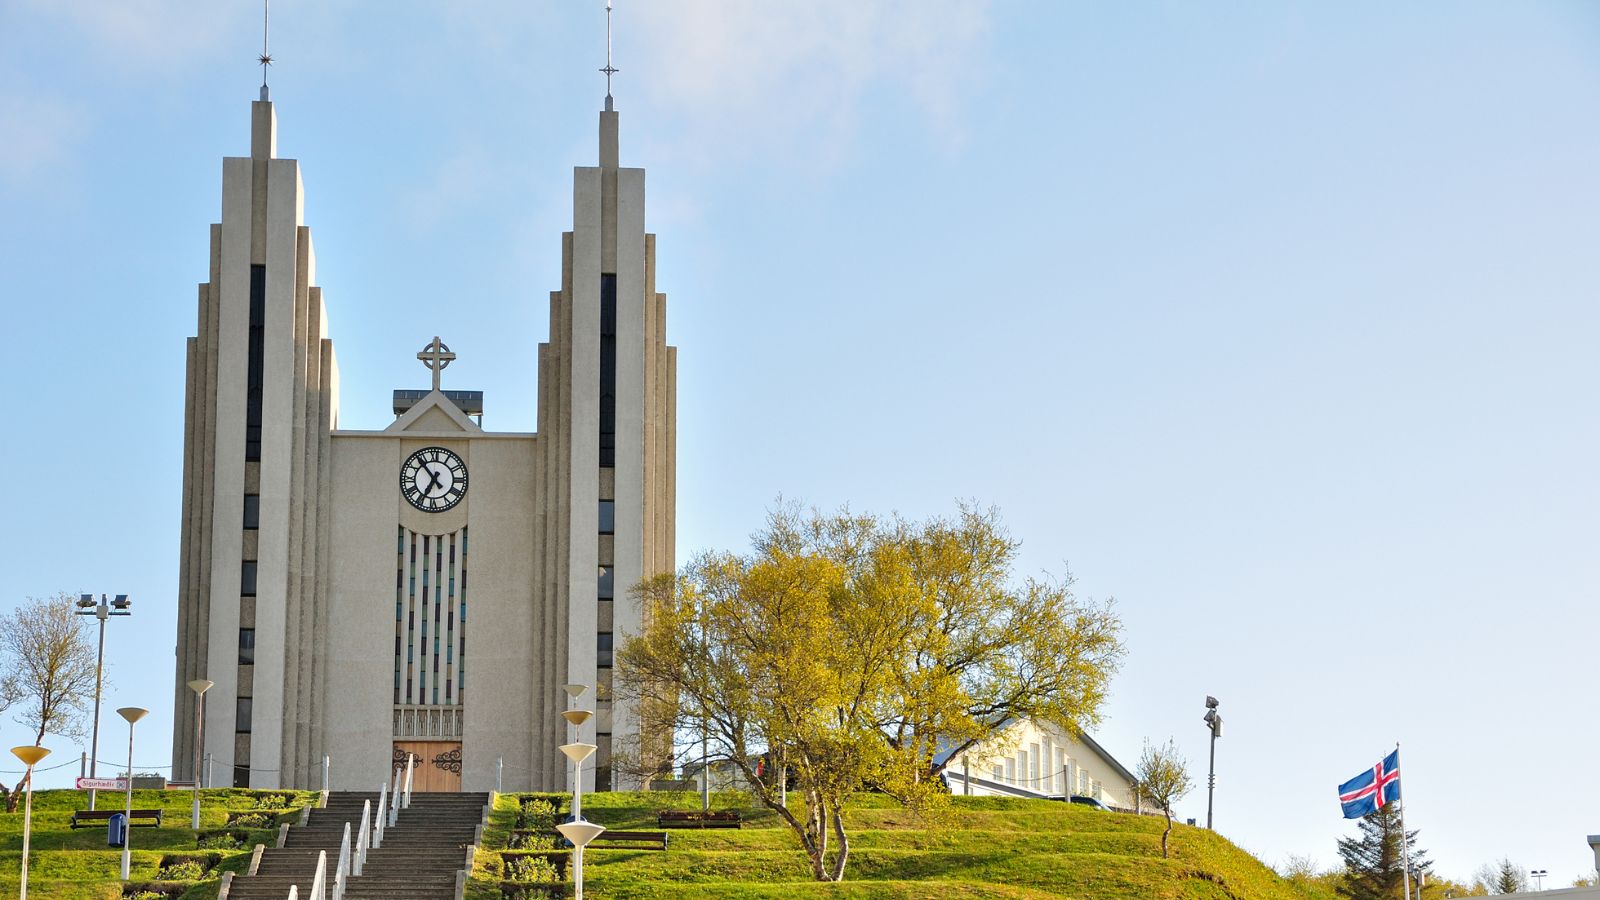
<point x="438" y="765"/>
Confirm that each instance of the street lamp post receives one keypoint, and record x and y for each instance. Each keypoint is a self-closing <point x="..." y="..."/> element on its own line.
<point x="199" y="686"/>
<point x="1538" y="875"/>
<point x="133" y="714"/>
<point x="121" y="606"/>
<point x="1213" y="721"/>
<point x="578" y="831"/>
<point x="30" y="757"/>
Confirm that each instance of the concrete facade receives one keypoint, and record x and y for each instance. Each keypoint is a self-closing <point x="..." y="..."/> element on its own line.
<point x="335" y="618"/>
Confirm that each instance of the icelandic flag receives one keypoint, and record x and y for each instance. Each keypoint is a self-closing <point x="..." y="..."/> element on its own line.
<point x="1369" y="791"/>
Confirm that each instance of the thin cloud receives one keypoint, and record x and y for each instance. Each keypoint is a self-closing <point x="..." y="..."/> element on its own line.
<point x="758" y="77"/>
<point x="40" y="132"/>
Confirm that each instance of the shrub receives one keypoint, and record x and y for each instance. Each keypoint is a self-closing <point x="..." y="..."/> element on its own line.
<point x="221" y="840"/>
<point x="536" y="813"/>
<point x="182" y="870"/>
<point x="251" y="820"/>
<point x="534" y="869"/>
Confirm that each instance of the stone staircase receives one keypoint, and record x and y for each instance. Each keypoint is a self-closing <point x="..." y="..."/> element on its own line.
<point x="418" y="860"/>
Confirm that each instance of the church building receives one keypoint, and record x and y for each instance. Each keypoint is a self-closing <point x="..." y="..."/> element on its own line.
<point x="428" y="588"/>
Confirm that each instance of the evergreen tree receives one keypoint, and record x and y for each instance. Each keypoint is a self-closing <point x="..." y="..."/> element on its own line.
<point x="1375" y="861"/>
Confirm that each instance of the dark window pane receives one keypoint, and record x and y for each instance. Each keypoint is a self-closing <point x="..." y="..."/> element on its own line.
<point x="247" y="646"/>
<point x="241" y="716"/>
<point x="608" y="516"/>
<point x="255" y="364"/>
<point x="241" y="776"/>
<point x="607" y="578"/>
<point x="608" y="371"/>
<point x="603" y="650"/>
<point x="252" y="510"/>
<point x="247" y="578"/>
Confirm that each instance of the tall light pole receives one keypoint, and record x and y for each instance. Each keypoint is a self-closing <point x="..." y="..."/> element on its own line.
<point x="1214" y="722"/>
<point x="30" y="757"/>
<point x="121" y="606"/>
<point x="199" y="686"/>
<point x="132" y="714"/>
<point x="1538" y="875"/>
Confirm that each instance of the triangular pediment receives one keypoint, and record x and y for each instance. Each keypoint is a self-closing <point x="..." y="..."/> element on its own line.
<point x="434" y="414"/>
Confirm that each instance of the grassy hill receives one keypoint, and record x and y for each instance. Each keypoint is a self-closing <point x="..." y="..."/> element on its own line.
<point x="75" y="864"/>
<point x="982" y="848"/>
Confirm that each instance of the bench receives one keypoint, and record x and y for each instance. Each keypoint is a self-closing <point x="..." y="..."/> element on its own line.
<point x="679" y="818"/>
<point x="83" y="818"/>
<point x="631" y="840"/>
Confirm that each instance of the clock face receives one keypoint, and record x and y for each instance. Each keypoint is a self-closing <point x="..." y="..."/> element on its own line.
<point x="433" y="479"/>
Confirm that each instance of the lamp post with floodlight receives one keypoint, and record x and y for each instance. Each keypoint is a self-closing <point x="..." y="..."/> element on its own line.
<point x="199" y="686"/>
<point x="120" y="606"/>
<point x="30" y="757"/>
<point x="1538" y="875"/>
<point x="133" y="714"/>
<point x="1213" y="721"/>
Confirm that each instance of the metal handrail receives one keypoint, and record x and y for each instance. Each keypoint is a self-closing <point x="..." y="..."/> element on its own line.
<point x="411" y="760"/>
<point x="363" y="838"/>
<point x="381" y="818"/>
<point x="343" y="870"/>
<point x="319" y="881"/>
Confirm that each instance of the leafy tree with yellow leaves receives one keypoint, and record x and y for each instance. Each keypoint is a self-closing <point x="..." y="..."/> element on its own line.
<point x="844" y="652"/>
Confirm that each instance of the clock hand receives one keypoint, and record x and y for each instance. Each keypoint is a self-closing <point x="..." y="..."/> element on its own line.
<point x="433" y="481"/>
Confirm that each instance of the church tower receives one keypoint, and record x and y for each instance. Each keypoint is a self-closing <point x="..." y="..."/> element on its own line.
<point x="261" y="401"/>
<point x="423" y="591"/>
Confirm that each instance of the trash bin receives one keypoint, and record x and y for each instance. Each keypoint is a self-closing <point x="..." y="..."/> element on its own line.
<point x="117" y="830"/>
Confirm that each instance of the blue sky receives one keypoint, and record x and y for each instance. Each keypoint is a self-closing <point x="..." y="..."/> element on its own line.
<point x="1274" y="321"/>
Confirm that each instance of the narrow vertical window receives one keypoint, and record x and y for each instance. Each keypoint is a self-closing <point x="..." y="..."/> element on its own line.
<point x="252" y="510"/>
<point x="255" y="362"/>
<point x="608" y="516"/>
<point x="241" y="716"/>
<point x="603" y="653"/>
<point x="608" y="371"/>
<point x="247" y="646"/>
<point x="607" y="583"/>
<point x="247" y="578"/>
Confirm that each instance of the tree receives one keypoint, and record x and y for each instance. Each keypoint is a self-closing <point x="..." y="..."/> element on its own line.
<point x="853" y="653"/>
<point x="1375" y="861"/>
<point x="1503" y="877"/>
<point x="47" y="665"/>
<point x="1163" y="780"/>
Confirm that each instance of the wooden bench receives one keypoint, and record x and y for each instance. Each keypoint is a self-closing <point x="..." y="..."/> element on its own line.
<point x="680" y="818"/>
<point x="83" y="818"/>
<point x="631" y="840"/>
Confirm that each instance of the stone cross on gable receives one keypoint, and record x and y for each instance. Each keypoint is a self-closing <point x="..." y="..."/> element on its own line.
<point x="436" y="356"/>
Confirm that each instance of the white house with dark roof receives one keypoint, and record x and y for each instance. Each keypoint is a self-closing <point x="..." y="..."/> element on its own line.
<point x="1036" y="759"/>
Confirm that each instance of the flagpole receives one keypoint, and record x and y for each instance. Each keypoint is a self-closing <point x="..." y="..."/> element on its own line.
<point x="1405" y="845"/>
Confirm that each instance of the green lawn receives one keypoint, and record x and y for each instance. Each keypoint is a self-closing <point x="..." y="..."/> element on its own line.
<point x="75" y="864"/>
<point x="981" y="848"/>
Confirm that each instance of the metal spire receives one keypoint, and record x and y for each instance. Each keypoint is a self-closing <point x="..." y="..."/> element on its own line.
<point x="266" y="57"/>
<point x="609" y="70"/>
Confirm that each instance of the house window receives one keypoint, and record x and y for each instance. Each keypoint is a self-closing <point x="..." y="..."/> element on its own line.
<point x="247" y="578"/>
<point x="247" y="646"/>
<point x="608" y="516"/>
<point x="241" y="716"/>
<point x="1011" y="771"/>
<point x="607" y="583"/>
<point x="603" y="650"/>
<point x="1033" y="763"/>
<point x="252" y="510"/>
